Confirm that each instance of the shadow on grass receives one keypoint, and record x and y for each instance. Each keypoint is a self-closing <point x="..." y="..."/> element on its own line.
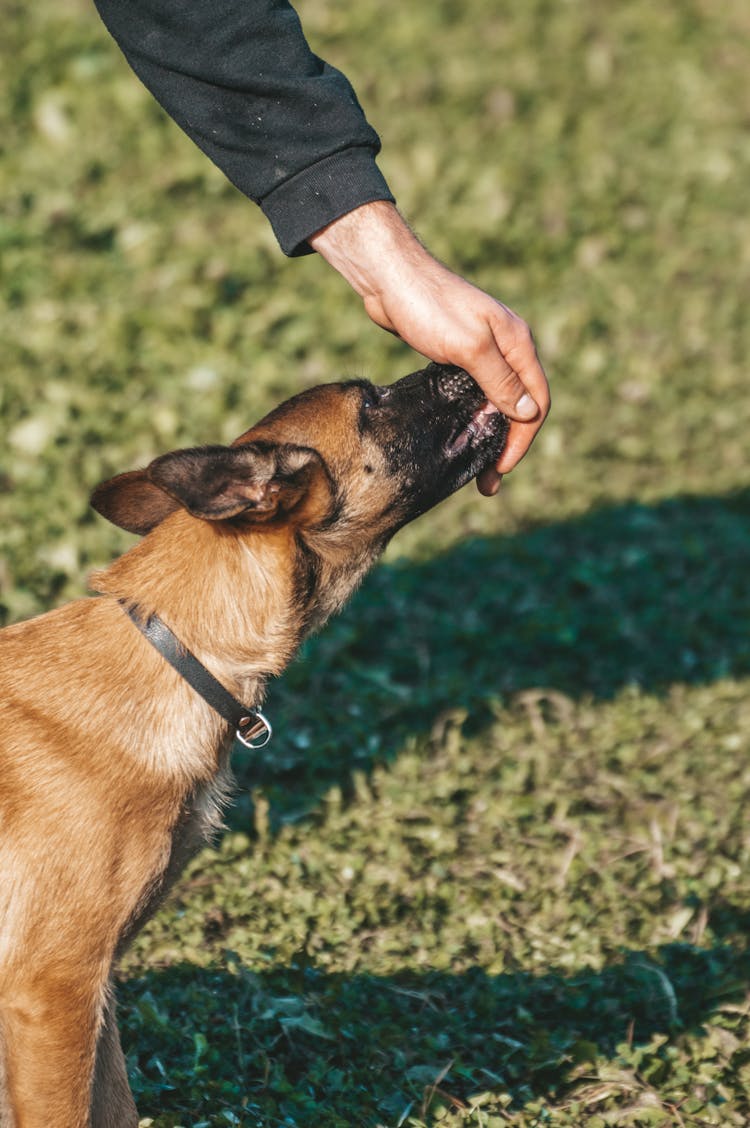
<point x="625" y="595"/>
<point x="629" y="594"/>
<point x="297" y="1046"/>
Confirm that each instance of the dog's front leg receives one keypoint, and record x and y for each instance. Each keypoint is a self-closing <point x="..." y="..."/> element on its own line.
<point x="50" y="1027"/>
<point x="112" y="1104"/>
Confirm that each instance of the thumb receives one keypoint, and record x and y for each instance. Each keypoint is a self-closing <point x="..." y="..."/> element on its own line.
<point x="504" y="389"/>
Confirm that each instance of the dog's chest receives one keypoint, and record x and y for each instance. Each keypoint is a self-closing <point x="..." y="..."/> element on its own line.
<point x="200" y="818"/>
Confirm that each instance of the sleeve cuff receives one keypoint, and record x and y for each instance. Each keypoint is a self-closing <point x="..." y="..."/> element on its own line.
<point x="315" y="197"/>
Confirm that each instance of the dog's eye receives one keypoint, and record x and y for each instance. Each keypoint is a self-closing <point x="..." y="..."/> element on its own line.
<point x="373" y="397"/>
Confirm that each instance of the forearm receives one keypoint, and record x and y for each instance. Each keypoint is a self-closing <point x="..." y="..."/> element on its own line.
<point x="364" y="245"/>
<point x="240" y="79"/>
<point x="368" y="247"/>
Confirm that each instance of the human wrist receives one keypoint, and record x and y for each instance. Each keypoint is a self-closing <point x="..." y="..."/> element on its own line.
<point x="364" y="244"/>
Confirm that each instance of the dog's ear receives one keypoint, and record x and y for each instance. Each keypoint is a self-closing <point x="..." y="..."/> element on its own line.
<point x="132" y="502"/>
<point x="258" y="480"/>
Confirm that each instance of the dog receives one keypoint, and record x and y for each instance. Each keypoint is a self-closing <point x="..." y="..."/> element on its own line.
<point x="118" y="713"/>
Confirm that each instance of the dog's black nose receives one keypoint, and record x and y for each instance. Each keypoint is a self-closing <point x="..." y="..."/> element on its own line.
<point x="452" y="382"/>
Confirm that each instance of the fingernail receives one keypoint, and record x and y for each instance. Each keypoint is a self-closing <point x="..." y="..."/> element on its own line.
<point x="526" y="406"/>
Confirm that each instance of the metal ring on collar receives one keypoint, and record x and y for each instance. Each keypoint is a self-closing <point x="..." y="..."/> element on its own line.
<point x="253" y="727"/>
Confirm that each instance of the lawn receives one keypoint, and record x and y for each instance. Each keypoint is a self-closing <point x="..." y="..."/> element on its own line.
<point x="494" y="868"/>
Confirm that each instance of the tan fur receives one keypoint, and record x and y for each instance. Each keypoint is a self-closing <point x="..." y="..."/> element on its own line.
<point x="113" y="769"/>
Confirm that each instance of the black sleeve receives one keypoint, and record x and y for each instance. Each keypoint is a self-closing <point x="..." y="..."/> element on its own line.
<point x="238" y="76"/>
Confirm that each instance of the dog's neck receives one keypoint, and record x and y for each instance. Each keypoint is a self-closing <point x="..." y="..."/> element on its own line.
<point x="236" y="598"/>
<point x="226" y="596"/>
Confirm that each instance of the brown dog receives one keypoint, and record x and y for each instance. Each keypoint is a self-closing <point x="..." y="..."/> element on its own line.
<point x="113" y="768"/>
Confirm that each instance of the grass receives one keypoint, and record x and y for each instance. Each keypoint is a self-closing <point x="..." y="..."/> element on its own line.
<point x="493" y="868"/>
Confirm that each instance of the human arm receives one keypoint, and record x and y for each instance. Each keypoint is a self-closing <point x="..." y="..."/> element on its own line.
<point x="240" y="79"/>
<point x="286" y="128"/>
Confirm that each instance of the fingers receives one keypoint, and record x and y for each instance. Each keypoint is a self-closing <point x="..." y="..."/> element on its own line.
<point x="510" y="372"/>
<point x="520" y="437"/>
<point x="503" y="385"/>
<point x="488" y="482"/>
<point x="522" y="433"/>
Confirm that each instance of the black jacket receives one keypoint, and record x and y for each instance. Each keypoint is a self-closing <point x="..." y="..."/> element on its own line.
<point x="240" y="79"/>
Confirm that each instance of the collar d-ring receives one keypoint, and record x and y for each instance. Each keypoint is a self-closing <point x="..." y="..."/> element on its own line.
<point x="254" y="731"/>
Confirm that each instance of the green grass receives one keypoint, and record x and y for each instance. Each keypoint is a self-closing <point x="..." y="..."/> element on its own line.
<point x="493" y="869"/>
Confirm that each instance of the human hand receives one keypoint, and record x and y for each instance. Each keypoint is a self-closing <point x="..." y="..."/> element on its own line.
<point x="408" y="292"/>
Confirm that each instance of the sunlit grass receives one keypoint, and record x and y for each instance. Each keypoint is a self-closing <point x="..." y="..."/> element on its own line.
<point x="494" y="868"/>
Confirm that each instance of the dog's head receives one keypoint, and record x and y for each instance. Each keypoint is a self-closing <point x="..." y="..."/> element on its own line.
<point x="353" y="456"/>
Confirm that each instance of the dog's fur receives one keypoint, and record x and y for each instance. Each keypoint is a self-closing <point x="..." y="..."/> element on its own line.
<point x="113" y="770"/>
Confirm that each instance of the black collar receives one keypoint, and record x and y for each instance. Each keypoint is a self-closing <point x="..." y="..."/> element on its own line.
<point x="250" y="724"/>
